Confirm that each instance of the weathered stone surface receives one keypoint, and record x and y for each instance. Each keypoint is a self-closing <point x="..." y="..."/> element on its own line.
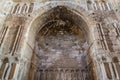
<point x="59" y="40"/>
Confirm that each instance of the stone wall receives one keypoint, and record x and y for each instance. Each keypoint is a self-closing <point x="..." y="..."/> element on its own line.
<point x="20" y="20"/>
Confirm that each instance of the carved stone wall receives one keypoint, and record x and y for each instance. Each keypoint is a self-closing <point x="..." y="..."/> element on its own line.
<point x="36" y="39"/>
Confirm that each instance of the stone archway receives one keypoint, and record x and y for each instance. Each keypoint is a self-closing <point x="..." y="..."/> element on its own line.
<point x="37" y="21"/>
<point x="62" y="37"/>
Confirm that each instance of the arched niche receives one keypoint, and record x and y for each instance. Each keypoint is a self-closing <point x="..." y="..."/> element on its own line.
<point x="69" y="22"/>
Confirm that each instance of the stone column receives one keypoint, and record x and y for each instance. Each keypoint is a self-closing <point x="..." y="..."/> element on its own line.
<point x="104" y="37"/>
<point x="20" y="9"/>
<point x="103" y="71"/>
<point x="2" y="35"/>
<point x="103" y="6"/>
<point x="12" y="10"/>
<point x="4" y="72"/>
<point x="112" y="73"/>
<point x="108" y="6"/>
<point x="18" y="71"/>
<point x="28" y="6"/>
<point x="8" y="72"/>
<point x="116" y="71"/>
<point x="100" y="6"/>
<point x="17" y="10"/>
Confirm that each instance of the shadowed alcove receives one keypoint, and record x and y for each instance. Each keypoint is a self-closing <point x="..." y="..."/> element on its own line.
<point x="61" y="47"/>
